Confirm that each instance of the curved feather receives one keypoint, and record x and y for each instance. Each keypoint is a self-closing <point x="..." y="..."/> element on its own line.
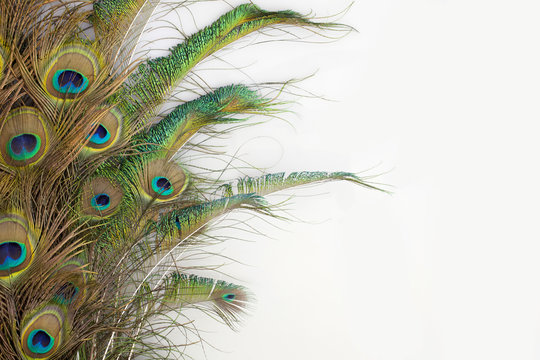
<point x="178" y="225"/>
<point x="154" y="79"/>
<point x="184" y="121"/>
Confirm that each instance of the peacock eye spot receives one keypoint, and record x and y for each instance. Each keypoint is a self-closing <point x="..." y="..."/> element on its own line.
<point x="40" y="341"/>
<point x="41" y="337"/>
<point x="12" y="254"/>
<point x="69" y="81"/>
<point x="71" y="78"/>
<point x="23" y="146"/>
<point x="101" y="135"/>
<point x="101" y="201"/>
<point x="229" y="297"/>
<point x="162" y="185"/>
<point x="67" y="293"/>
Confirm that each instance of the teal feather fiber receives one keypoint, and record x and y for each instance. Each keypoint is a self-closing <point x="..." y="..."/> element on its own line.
<point x="100" y="196"/>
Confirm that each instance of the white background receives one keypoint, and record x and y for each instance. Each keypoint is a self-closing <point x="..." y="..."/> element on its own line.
<point x="442" y="97"/>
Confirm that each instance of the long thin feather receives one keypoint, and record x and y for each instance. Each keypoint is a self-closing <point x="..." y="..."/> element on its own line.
<point x="156" y="78"/>
<point x="178" y="225"/>
<point x="270" y="183"/>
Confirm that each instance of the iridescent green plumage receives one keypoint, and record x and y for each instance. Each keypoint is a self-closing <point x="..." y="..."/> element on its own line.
<point x="97" y="194"/>
<point x="155" y="78"/>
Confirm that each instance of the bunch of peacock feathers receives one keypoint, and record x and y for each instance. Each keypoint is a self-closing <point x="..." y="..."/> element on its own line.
<point x="94" y="196"/>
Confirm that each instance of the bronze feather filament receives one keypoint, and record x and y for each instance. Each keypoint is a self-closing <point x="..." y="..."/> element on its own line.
<point x="97" y="192"/>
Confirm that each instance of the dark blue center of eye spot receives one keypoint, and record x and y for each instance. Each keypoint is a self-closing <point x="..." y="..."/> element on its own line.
<point x="40" y="342"/>
<point x="101" y="201"/>
<point x="70" y="78"/>
<point x="229" y="297"/>
<point x="163" y="183"/>
<point x="23" y="142"/>
<point x="12" y="254"/>
<point x="101" y="132"/>
<point x="23" y="146"/>
<point x="69" y="81"/>
<point x="101" y="135"/>
<point x="42" y="338"/>
<point x="162" y="186"/>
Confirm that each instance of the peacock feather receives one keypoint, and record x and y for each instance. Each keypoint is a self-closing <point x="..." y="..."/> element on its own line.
<point x="96" y="186"/>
